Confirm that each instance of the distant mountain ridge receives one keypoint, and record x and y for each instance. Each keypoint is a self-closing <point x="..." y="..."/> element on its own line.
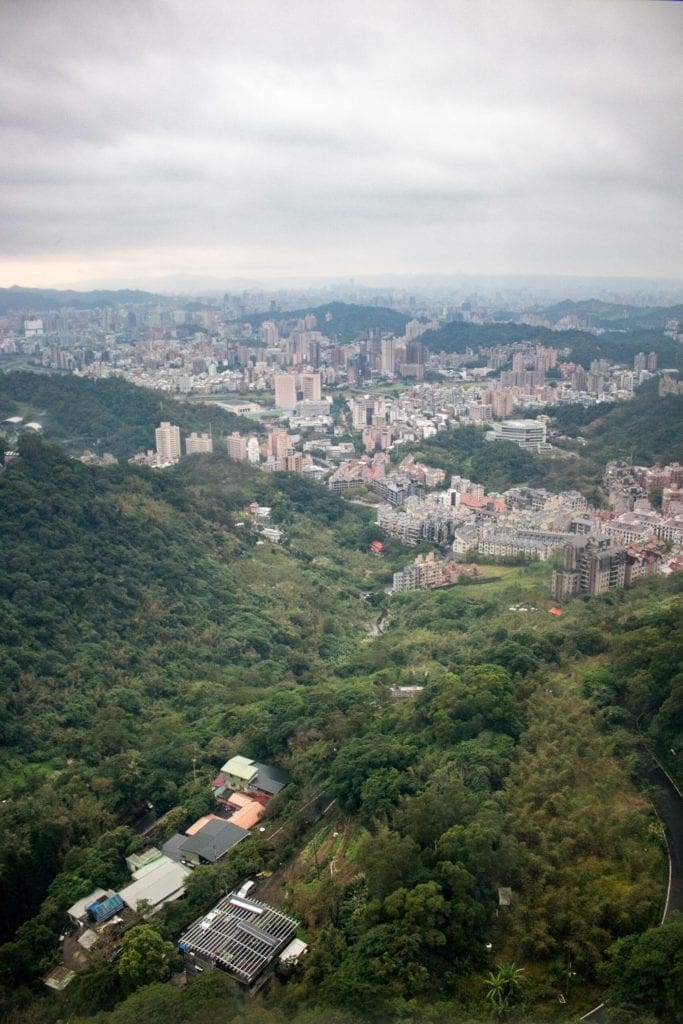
<point x="611" y="315"/>
<point x="45" y="300"/>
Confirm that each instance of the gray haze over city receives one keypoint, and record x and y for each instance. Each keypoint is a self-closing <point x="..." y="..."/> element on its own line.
<point x="229" y="140"/>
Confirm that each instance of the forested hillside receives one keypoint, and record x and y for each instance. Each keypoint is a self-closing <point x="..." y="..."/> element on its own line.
<point x="343" y="321"/>
<point x="147" y="636"/>
<point x="108" y="415"/>
<point x="614" y="316"/>
<point x="581" y="346"/>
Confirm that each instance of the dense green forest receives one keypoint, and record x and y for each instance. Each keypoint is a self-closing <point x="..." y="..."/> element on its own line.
<point x="147" y="635"/>
<point x="108" y="415"/>
<point x="343" y="321"/>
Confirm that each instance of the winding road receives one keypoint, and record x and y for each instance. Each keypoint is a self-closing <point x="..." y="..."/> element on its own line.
<point x="668" y="801"/>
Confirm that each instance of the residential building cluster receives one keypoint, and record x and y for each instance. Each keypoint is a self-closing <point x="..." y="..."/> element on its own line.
<point x="428" y="572"/>
<point x="394" y="487"/>
<point x="595" y="565"/>
<point x="603" y="549"/>
<point x="242" y="790"/>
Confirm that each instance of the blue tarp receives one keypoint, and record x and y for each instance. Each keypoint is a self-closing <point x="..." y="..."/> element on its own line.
<point x="102" y="910"/>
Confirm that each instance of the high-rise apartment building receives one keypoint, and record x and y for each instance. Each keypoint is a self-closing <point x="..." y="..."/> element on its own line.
<point x="236" y="446"/>
<point x="196" y="443"/>
<point x="167" y="438"/>
<point x="268" y="333"/>
<point x="285" y="390"/>
<point x="591" y="567"/>
<point x="310" y="387"/>
<point x="279" y="442"/>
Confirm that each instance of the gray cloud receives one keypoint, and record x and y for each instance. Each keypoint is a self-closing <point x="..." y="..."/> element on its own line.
<point x="259" y="137"/>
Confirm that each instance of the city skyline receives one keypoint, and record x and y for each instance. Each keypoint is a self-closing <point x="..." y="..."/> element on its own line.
<point x="251" y="141"/>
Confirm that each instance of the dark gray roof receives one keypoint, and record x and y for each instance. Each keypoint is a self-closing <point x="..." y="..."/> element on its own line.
<point x="173" y="846"/>
<point x="241" y="935"/>
<point x="269" y="780"/>
<point x="214" y="840"/>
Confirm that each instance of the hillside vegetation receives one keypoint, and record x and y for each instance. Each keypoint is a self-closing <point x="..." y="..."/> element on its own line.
<point x="108" y="415"/>
<point x="343" y="321"/>
<point x="581" y="346"/>
<point x="147" y="636"/>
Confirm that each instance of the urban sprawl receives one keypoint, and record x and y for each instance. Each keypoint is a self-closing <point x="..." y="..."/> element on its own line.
<point x="340" y="413"/>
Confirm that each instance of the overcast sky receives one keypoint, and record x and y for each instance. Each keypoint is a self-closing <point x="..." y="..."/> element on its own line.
<point x="329" y="137"/>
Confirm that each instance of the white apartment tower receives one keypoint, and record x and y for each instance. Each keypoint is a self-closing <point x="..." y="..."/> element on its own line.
<point x="167" y="437"/>
<point x="253" y="451"/>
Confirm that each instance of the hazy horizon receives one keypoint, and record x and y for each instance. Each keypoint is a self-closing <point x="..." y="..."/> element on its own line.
<point x="257" y="143"/>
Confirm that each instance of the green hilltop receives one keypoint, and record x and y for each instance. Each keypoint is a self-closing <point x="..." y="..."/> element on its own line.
<point x="343" y="321"/>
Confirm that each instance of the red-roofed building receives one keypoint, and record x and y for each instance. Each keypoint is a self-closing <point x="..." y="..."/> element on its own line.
<point x="200" y="823"/>
<point x="248" y="816"/>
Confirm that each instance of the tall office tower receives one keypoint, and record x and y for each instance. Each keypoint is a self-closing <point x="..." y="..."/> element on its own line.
<point x="285" y="390"/>
<point x="652" y="361"/>
<point x="387" y="356"/>
<point x="310" y="386"/>
<point x="196" y="443"/>
<point x="167" y="438"/>
<point x="640" y="361"/>
<point x="236" y="446"/>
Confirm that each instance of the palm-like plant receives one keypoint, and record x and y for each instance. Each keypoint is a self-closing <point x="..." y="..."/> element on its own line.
<point x="503" y="985"/>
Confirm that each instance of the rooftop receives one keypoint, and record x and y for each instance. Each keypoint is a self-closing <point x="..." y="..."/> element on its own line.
<point x="214" y="840"/>
<point x="269" y="780"/>
<point x="242" y="767"/>
<point x="240" y="935"/>
<point x="249" y="815"/>
<point x="200" y="823"/>
<point x="80" y="908"/>
<point x="160" y="886"/>
<point x="172" y="846"/>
